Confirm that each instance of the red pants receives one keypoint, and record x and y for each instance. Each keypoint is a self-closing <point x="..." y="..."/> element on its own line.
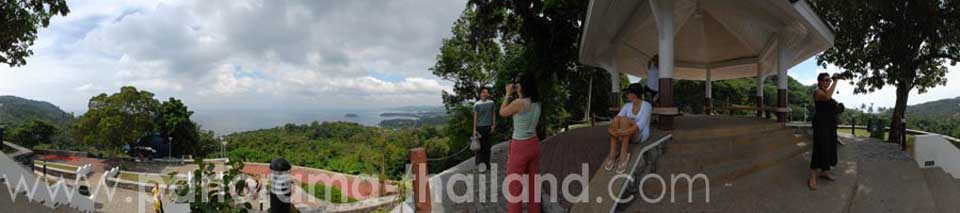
<point x="524" y="159"/>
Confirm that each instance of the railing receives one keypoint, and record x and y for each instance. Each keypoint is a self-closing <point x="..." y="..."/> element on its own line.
<point x="646" y="164"/>
<point x="731" y="110"/>
<point x="21" y="181"/>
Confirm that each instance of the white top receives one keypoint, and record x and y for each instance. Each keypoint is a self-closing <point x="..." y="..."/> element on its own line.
<point x="642" y="118"/>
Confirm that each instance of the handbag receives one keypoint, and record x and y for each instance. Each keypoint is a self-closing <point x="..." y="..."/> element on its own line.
<point x="475" y="142"/>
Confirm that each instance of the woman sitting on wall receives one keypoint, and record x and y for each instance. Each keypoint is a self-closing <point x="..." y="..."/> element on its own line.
<point x="632" y="125"/>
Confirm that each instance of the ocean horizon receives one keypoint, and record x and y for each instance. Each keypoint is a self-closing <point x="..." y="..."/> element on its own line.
<point x="224" y="122"/>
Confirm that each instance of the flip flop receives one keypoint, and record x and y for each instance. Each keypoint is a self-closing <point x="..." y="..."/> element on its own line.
<point x="827" y="177"/>
<point x="608" y="164"/>
<point x="623" y="165"/>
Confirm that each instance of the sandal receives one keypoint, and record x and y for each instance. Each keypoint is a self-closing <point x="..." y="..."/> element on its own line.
<point x="827" y="177"/>
<point x="623" y="165"/>
<point x="608" y="164"/>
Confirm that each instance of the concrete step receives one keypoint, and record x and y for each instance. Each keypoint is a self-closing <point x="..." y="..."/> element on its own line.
<point x="727" y="151"/>
<point x="721" y="131"/>
<point x="944" y="190"/>
<point x="726" y="144"/>
<point x="780" y="188"/>
<point x="735" y="166"/>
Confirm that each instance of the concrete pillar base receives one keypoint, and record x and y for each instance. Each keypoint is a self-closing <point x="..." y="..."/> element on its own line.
<point x="666" y="100"/>
<point x="781" y="103"/>
<point x="421" y="184"/>
<point x="759" y="106"/>
<point x="707" y="106"/>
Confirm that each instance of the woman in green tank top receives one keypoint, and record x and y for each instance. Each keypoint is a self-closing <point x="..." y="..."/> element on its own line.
<point x="523" y="157"/>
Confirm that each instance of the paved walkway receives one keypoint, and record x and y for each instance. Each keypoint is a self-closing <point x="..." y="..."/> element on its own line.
<point x="871" y="177"/>
<point x="109" y="198"/>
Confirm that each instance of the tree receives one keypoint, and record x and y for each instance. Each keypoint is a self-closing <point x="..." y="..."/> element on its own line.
<point x="20" y="22"/>
<point x="175" y="123"/>
<point x="33" y="133"/>
<point x="209" y="193"/>
<point x="904" y="44"/>
<point x="538" y="39"/>
<point x="469" y="60"/>
<point x="118" y="119"/>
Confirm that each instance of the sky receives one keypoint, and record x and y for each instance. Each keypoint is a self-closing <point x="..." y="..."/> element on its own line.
<point x="234" y="58"/>
<point x="250" y="55"/>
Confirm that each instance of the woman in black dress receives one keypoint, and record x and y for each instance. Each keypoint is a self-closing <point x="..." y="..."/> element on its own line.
<point x="824" y="130"/>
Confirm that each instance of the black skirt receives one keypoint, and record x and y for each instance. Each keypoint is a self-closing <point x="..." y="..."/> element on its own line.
<point x="824" y="135"/>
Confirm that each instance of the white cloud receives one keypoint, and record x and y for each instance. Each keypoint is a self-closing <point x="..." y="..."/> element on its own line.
<point x="224" y="54"/>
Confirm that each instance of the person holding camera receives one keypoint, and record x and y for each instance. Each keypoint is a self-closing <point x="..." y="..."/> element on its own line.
<point x="825" y="121"/>
<point x="523" y="158"/>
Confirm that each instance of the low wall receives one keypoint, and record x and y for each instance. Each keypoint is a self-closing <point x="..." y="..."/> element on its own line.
<point x="131" y="185"/>
<point x="61" y="153"/>
<point x="936" y="151"/>
<point x="55" y="172"/>
<point x="22" y="155"/>
<point x="364" y="189"/>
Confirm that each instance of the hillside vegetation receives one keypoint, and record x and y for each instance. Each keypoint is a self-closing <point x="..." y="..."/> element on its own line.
<point x="16" y="110"/>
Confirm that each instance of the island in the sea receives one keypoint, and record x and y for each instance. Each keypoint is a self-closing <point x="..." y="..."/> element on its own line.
<point x="411" y="114"/>
<point x="351" y="115"/>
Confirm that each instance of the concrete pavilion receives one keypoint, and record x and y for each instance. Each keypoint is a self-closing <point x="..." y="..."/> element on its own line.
<point x="753" y="164"/>
<point x="703" y="40"/>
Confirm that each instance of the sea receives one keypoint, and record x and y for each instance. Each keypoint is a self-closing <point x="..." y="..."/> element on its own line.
<point x="224" y="122"/>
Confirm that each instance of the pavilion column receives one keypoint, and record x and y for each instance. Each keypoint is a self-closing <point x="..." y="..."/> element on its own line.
<point x="664" y="14"/>
<point x="614" y="86"/>
<point x="759" y="97"/>
<point x="782" y="107"/>
<point x="708" y="95"/>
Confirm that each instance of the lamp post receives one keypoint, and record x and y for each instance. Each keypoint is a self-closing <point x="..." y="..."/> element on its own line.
<point x="280" y="186"/>
<point x="223" y="152"/>
<point x="170" y="147"/>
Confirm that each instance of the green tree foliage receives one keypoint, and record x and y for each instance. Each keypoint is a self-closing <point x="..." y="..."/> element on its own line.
<point x="458" y="131"/>
<point x="208" y="193"/>
<point x="500" y="41"/>
<point x="905" y="44"/>
<point x="21" y="19"/>
<point x="19" y="112"/>
<point x="337" y="146"/>
<point x="743" y="92"/>
<point x="469" y="60"/>
<point x="175" y="123"/>
<point x="112" y="121"/>
<point x="940" y="116"/>
<point x="16" y="110"/>
<point x="115" y="120"/>
<point x="33" y="133"/>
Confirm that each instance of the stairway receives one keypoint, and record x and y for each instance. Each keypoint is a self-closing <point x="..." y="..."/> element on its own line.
<point x="725" y="148"/>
